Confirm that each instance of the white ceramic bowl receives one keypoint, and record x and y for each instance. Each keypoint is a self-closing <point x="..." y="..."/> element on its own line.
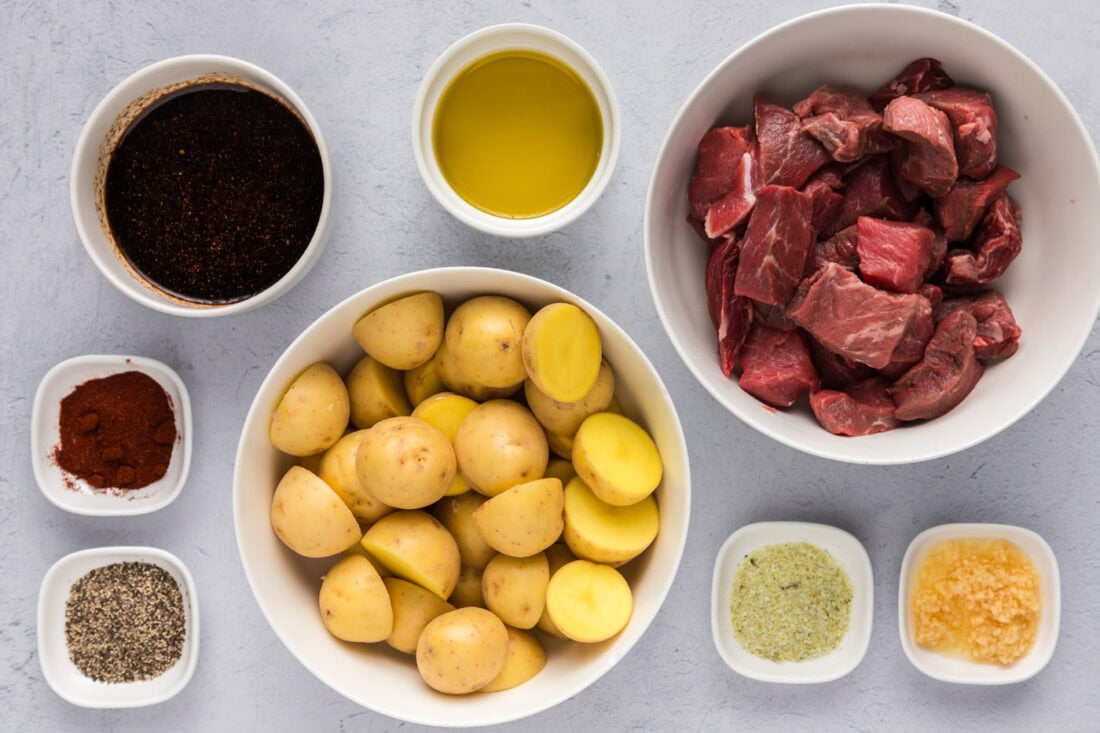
<point x="92" y="152"/>
<point x="1053" y="287"/>
<point x="852" y="558"/>
<point x="60" y="672"/>
<point x="953" y="669"/>
<point x="481" y="43"/>
<point x="375" y="676"/>
<point x="73" y="494"/>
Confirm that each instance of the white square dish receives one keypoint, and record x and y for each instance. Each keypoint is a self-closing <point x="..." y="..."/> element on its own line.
<point x="59" y="670"/>
<point x="71" y="493"/>
<point x="954" y="669"/>
<point x="852" y="558"/>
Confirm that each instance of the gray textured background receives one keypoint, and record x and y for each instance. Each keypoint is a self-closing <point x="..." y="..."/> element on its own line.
<point x="358" y="65"/>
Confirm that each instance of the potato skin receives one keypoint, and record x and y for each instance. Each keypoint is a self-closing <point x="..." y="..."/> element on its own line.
<point x="309" y="517"/>
<point x="377" y="392"/>
<point x="354" y="602"/>
<point x="524" y="520"/>
<point x="515" y="588"/>
<point x="414" y="546"/>
<point x="413" y="608"/>
<point x="500" y="444"/>
<point x="525" y="659"/>
<point x="337" y="469"/>
<point x="564" y="418"/>
<point x="484" y="338"/>
<point x="405" y="463"/>
<point x="456" y="514"/>
<point x="312" y="414"/>
<point x="405" y="333"/>
<point x="462" y="651"/>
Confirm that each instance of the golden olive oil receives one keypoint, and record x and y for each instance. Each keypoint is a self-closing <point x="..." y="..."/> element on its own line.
<point x="517" y="134"/>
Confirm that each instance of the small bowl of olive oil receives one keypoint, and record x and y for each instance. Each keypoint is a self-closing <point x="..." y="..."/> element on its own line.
<point x="516" y="130"/>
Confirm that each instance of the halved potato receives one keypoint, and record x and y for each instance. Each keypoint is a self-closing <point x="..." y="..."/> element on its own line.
<point x="564" y="418"/>
<point x="524" y="520"/>
<point x="405" y="333"/>
<point x="616" y="458"/>
<point x="456" y="514"/>
<point x="560" y="445"/>
<point x="558" y="555"/>
<point x="312" y="414"/>
<point x="377" y="392"/>
<point x="562" y="352"/>
<point x="354" y="602"/>
<point x="514" y="588"/>
<point x="589" y="602"/>
<point x="424" y="381"/>
<point x="525" y="659"/>
<point x="309" y="517"/>
<point x="414" y="546"/>
<point x="413" y="608"/>
<point x="600" y="532"/>
<point x="337" y="469"/>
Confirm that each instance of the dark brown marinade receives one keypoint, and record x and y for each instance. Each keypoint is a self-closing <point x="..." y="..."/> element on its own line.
<point x="215" y="192"/>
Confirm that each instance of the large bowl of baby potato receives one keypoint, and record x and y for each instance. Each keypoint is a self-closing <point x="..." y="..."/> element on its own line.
<point x="461" y="496"/>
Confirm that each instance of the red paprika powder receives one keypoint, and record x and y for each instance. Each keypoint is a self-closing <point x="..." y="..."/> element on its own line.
<point x="117" y="432"/>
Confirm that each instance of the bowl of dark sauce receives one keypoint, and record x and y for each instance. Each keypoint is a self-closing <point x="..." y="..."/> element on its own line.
<point x="201" y="186"/>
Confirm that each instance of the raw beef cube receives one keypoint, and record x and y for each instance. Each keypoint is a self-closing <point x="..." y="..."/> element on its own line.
<point x="787" y="155"/>
<point x="871" y="191"/>
<point x="998" y="334"/>
<point x="834" y="371"/>
<point x="720" y="151"/>
<point x="926" y="157"/>
<point x="776" y="366"/>
<point x="850" y="317"/>
<point x="839" y="248"/>
<point x="911" y="348"/>
<point x="826" y="201"/>
<point x="893" y="254"/>
<point x="961" y="209"/>
<point x="844" y="122"/>
<point x="731" y="315"/>
<point x="772" y="316"/>
<point x="932" y="293"/>
<point x="939" y="243"/>
<point x="730" y="211"/>
<point x="974" y="126"/>
<point x="996" y="244"/>
<point x="923" y="75"/>
<point x="863" y="409"/>
<point x="777" y="243"/>
<point x="946" y="374"/>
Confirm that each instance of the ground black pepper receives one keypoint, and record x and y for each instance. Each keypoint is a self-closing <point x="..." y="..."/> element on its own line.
<point x="125" y="622"/>
<point x="215" y="192"/>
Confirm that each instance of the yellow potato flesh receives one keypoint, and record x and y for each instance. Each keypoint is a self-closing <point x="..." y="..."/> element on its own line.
<point x="354" y="602"/>
<point x="405" y="462"/>
<point x="525" y="659"/>
<point x="562" y="352"/>
<point x="558" y="555"/>
<point x="337" y="469"/>
<point x="403" y="334"/>
<point x="616" y="458"/>
<point x="424" y="381"/>
<point x="413" y="608"/>
<point x="456" y="514"/>
<point x="589" y="602"/>
<point x="312" y="414"/>
<point x="598" y="531"/>
<point x="462" y="650"/>
<point x="446" y="411"/>
<point x="524" y="520"/>
<point x="377" y="393"/>
<point x="515" y="588"/>
<point x="414" y="546"/>
<point x="309" y="517"/>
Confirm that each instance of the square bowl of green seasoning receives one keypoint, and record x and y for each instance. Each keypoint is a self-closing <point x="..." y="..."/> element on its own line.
<point x="118" y="627"/>
<point x="792" y="602"/>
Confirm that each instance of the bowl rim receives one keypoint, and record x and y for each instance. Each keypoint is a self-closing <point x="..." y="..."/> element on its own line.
<point x="104" y="256"/>
<point x="498" y="225"/>
<point x="661" y="595"/>
<point x="825" y="536"/>
<point x="700" y="371"/>
<point x="100" y="557"/>
<point x="114" y="505"/>
<point x="1024" y="539"/>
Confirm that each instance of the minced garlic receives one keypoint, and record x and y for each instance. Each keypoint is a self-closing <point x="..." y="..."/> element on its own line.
<point x="978" y="598"/>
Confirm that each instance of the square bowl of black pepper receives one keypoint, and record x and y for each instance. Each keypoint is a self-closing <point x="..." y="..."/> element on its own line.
<point x="792" y="602"/>
<point x="118" y="627"/>
<point x="111" y="435"/>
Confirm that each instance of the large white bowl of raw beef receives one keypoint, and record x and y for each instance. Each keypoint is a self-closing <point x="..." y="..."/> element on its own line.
<point x="870" y="234"/>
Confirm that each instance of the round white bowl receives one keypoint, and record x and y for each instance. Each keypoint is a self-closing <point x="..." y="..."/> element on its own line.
<point x="53" y="654"/>
<point x="375" y="676"/>
<point x="512" y="36"/>
<point x="953" y="669"/>
<point x="1053" y="288"/>
<point x="91" y="155"/>
<point x="73" y="494"/>
<point x="849" y="554"/>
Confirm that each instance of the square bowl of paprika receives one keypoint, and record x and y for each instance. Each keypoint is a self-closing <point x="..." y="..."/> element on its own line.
<point x="111" y="435"/>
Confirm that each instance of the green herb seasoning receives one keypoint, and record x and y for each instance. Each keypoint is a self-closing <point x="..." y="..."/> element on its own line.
<point x="790" y="602"/>
<point x="125" y="622"/>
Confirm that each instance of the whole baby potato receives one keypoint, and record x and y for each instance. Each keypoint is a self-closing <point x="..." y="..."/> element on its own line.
<point x="462" y="651"/>
<point x="336" y="468"/>
<point x="406" y="463"/>
<point x="405" y="333"/>
<point x="312" y="414"/>
<point x="354" y="602"/>
<point x="309" y="517"/>
<point x="454" y="380"/>
<point x="376" y="392"/>
<point x="484" y="337"/>
<point x="500" y="444"/>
